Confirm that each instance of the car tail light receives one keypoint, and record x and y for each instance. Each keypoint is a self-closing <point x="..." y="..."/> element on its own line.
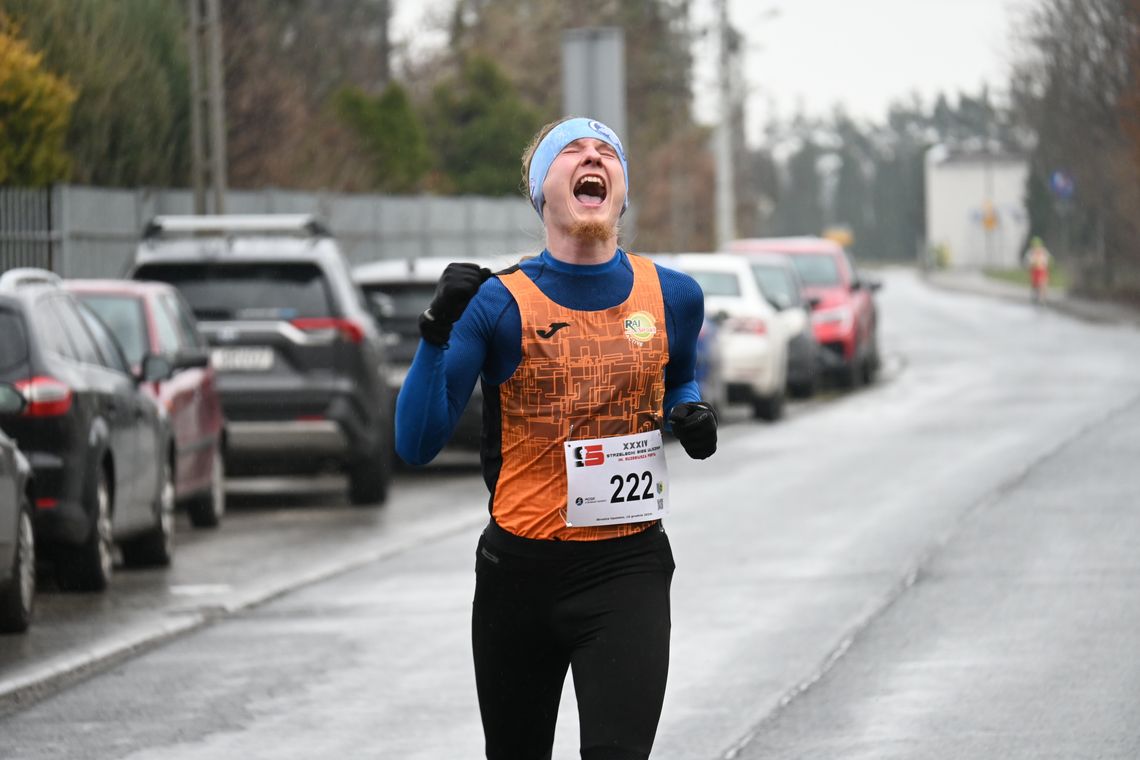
<point x="47" y="503"/>
<point x="47" y="397"/>
<point x="750" y="325"/>
<point x="346" y="328"/>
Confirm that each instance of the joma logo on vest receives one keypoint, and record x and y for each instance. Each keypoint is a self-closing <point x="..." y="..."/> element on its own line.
<point x="640" y="327"/>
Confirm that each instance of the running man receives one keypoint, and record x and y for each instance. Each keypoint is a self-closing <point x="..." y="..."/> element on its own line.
<point x="584" y="352"/>
<point x="1039" y="260"/>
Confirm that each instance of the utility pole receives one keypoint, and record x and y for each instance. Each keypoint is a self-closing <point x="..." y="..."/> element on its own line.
<point x="385" y="53"/>
<point x="207" y="107"/>
<point x="197" y="136"/>
<point x="725" y="183"/>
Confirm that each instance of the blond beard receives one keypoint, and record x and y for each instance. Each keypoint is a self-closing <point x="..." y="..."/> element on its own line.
<point x="593" y="232"/>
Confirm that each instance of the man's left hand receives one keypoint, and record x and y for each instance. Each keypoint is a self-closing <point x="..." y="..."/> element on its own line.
<point x="694" y="424"/>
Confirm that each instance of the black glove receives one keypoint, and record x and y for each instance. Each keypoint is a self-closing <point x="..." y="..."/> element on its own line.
<point x="694" y="424"/>
<point x="456" y="287"/>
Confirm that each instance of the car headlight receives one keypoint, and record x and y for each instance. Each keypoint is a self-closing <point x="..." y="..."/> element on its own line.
<point x="839" y="315"/>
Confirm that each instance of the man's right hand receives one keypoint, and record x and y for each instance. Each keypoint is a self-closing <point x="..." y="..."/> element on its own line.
<point x="455" y="289"/>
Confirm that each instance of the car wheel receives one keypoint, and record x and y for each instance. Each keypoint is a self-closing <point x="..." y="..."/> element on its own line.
<point x="768" y="408"/>
<point x="206" y="510"/>
<point x="156" y="546"/>
<point x="851" y="375"/>
<point x="805" y="388"/>
<point x="88" y="567"/>
<point x="368" y="479"/>
<point x="872" y="362"/>
<point x="17" y="600"/>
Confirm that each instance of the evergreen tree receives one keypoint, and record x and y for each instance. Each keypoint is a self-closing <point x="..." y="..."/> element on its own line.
<point x="801" y="204"/>
<point x="391" y="136"/>
<point x="479" y="127"/>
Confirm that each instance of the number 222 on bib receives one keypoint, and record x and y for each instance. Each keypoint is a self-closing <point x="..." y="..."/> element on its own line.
<point x="622" y="479"/>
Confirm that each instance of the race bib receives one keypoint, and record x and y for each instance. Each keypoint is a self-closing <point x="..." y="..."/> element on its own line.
<point x="622" y="479"/>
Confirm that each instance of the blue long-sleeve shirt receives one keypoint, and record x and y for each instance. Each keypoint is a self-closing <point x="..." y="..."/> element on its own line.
<point x="487" y="342"/>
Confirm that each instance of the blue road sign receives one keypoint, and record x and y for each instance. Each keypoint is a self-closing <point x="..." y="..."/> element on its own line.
<point x="1062" y="185"/>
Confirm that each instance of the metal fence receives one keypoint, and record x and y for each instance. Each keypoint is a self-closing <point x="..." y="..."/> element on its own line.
<point x="27" y="228"/>
<point x="92" y="232"/>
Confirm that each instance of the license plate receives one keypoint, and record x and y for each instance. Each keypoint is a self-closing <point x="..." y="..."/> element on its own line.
<point x="245" y="359"/>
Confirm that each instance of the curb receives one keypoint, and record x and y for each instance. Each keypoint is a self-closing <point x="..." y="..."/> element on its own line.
<point x="1098" y="312"/>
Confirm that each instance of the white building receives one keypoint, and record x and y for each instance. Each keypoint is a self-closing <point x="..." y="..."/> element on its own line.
<point x="975" y="208"/>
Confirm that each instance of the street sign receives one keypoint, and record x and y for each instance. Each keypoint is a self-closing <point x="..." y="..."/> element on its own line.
<point x="593" y="76"/>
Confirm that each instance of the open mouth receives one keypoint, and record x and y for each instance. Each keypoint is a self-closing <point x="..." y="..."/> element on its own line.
<point x="590" y="190"/>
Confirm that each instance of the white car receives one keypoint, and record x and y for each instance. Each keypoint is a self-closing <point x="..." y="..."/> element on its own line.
<point x="753" y="337"/>
<point x="780" y="282"/>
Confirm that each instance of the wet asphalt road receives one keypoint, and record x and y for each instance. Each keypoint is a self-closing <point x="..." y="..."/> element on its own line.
<point x="940" y="566"/>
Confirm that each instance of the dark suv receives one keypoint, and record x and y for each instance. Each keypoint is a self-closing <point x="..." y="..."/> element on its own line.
<point x="98" y="445"/>
<point x="300" y="363"/>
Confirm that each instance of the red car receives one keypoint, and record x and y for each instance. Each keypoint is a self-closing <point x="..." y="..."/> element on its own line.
<point x="844" y="318"/>
<point x="152" y="318"/>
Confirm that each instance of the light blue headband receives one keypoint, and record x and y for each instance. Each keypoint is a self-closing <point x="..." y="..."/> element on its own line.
<point x="557" y="139"/>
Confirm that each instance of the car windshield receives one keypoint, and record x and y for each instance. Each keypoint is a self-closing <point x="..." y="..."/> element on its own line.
<point x="817" y="268"/>
<point x="13" y="340"/>
<point x="123" y="315"/>
<point x="717" y="283"/>
<point x="774" y="281"/>
<point x="246" y="291"/>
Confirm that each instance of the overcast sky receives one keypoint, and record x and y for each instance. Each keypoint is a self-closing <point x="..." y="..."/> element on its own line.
<point x="812" y="54"/>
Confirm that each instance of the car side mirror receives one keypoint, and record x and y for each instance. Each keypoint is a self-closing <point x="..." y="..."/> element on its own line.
<point x="11" y="400"/>
<point x="155" y="369"/>
<point x="191" y="358"/>
<point x="813" y="302"/>
<point x="720" y="317"/>
<point x="873" y="285"/>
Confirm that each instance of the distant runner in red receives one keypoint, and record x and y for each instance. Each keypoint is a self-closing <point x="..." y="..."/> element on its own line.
<point x="1039" y="260"/>
<point x="585" y="353"/>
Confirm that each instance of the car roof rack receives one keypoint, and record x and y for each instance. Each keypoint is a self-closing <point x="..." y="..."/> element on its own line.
<point x="21" y="276"/>
<point x="306" y="225"/>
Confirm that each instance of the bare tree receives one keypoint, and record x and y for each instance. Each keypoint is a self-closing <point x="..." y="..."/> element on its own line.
<point x="1075" y="86"/>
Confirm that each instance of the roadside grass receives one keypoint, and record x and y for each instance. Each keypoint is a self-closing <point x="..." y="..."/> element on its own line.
<point x="1057" y="278"/>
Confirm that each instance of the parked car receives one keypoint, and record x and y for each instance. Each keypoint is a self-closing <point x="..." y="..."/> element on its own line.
<point x="753" y="339"/>
<point x="99" y="446"/>
<point x="846" y="318"/>
<point x="17" y="537"/>
<point x="397" y="292"/>
<point x="151" y="318"/>
<point x="300" y="363"/>
<point x="778" y="279"/>
<point x="709" y="369"/>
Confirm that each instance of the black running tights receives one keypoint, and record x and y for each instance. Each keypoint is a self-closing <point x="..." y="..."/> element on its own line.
<point x="600" y="608"/>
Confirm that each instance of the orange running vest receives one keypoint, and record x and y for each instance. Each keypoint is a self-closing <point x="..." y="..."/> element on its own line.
<point x="583" y="374"/>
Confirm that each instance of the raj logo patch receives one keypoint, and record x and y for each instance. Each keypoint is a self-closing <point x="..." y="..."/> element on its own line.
<point x="640" y="327"/>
